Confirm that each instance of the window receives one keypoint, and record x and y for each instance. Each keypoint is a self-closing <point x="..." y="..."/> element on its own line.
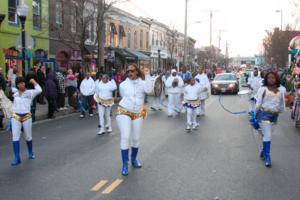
<point x="147" y="40"/>
<point x="74" y="19"/>
<point x="135" y="39"/>
<point x="156" y="39"/>
<point x="12" y="11"/>
<point x="141" y="39"/>
<point x="121" y="35"/>
<point x="161" y="39"/>
<point x="105" y="35"/>
<point x="59" y="12"/>
<point x="153" y="38"/>
<point x="89" y="31"/>
<point x="36" y="14"/>
<point x="113" y="32"/>
<point x="129" y="39"/>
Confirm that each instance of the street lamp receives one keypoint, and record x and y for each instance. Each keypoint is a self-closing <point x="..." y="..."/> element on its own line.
<point x="2" y="17"/>
<point x="22" y="11"/>
<point x="280" y="11"/>
<point x="158" y="58"/>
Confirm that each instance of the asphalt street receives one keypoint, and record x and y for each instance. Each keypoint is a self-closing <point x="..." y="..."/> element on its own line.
<point x="218" y="161"/>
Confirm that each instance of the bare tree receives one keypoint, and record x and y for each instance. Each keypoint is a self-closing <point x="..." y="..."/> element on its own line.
<point x="172" y="39"/>
<point x="296" y="14"/>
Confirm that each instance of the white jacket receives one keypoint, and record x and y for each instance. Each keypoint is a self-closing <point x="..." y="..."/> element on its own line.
<point x="87" y="87"/>
<point x="192" y="92"/>
<point x="22" y="103"/>
<point x="170" y="88"/>
<point x="203" y="80"/>
<point x="105" y="90"/>
<point x="133" y="93"/>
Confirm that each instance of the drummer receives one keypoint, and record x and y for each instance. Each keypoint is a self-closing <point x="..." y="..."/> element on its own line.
<point x="254" y="83"/>
<point x="157" y="100"/>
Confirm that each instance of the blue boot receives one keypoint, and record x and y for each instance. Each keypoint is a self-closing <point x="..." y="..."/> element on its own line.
<point x="16" y="148"/>
<point x="31" y="155"/>
<point x="135" y="163"/>
<point x="125" y="162"/>
<point x="267" y="156"/>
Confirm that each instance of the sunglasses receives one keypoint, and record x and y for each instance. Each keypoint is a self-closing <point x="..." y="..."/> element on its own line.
<point x="130" y="70"/>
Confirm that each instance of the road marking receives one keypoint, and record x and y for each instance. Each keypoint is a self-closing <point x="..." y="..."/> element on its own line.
<point x="113" y="186"/>
<point x="98" y="186"/>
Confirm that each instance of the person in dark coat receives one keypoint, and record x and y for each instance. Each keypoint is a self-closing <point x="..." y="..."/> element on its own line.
<point x="51" y="95"/>
<point x="41" y="76"/>
<point x="29" y="76"/>
<point x="2" y="87"/>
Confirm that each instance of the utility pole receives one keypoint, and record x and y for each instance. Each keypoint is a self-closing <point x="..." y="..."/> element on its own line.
<point x="210" y="26"/>
<point x="220" y="33"/>
<point x="185" y="35"/>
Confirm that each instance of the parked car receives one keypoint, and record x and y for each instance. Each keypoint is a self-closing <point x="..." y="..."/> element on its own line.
<point x="225" y="83"/>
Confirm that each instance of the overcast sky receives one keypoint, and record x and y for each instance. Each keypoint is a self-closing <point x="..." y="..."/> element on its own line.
<point x="244" y="21"/>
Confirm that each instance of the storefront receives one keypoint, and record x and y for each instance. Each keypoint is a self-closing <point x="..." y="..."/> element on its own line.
<point x="13" y="60"/>
<point x="143" y="60"/>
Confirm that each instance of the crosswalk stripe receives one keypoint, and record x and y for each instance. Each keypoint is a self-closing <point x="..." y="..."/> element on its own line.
<point x="113" y="186"/>
<point x="98" y="186"/>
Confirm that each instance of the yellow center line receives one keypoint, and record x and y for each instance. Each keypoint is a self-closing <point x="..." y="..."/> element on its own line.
<point x="98" y="186"/>
<point x="113" y="186"/>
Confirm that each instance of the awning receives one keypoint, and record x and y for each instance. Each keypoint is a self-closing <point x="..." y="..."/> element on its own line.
<point x="139" y="55"/>
<point x="122" y="31"/>
<point x="123" y="53"/>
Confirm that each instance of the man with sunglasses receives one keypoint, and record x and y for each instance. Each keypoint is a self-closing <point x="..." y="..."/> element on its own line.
<point x="131" y="113"/>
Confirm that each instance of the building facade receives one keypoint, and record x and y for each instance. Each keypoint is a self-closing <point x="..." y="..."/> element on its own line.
<point x="36" y="26"/>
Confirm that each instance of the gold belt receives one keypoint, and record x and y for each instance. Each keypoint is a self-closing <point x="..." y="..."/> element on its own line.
<point x="194" y="102"/>
<point x="107" y="102"/>
<point x="21" y="119"/>
<point x="133" y="116"/>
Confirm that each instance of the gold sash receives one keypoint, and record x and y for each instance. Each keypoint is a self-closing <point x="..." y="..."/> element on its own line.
<point x="194" y="102"/>
<point x="133" y="116"/>
<point x="21" y="119"/>
<point x="107" y="102"/>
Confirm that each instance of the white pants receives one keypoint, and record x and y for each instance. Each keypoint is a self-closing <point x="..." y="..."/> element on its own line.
<point x="174" y="103"/>
<point x="157" y="102"/>
<point x="251" y="105"/>
<point x="104" y="116"/>
<point x="16" y="129"/>
<point x="267" y="130"/>
<point x="201" y="108"/>
<point x="130" y="131"/>
<point x="191" y="116"/>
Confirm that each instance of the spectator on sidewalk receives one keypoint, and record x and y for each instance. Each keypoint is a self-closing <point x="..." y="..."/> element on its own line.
<point x="60" y="82"/>
<point x="29" y="85"/>
<point x="41" y="76"/>
<point x="87" y="89"/>
<point x="51" y="95"/>
<point x="71" y="88"/>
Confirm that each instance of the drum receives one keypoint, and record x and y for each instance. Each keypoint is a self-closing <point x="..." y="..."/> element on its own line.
<point x="157" y="86"/>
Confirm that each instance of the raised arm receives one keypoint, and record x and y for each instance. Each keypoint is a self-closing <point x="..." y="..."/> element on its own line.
<point x="37" y="88"/>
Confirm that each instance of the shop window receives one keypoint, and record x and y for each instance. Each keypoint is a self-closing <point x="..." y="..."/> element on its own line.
<point x="36" y="14"/>
<point x="12" y="11"/>
<point x="59" y="12"/>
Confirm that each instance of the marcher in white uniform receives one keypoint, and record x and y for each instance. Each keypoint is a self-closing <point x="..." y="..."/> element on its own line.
<point x="131" y="114"/>
<point x="87" y="89"/>
<point x="174" y="85"/>
<point x="191" y="103"/>
<point x="203" y="81"/>
<point x="105" y="100"/>
<point x="157" y="101"/>
<point x="21" y="117"/>
<point x="254" y="83"/>
<point x="270" y="102"/>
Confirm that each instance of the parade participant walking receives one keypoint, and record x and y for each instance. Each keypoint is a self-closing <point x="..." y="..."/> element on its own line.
<point x="21" y="117"/>
<point x="157" y="100"/>
<point x="254" y="83"/>
<point x="87" y="89"/>
<point x="185" y="75"/>
<point x="60" y="82"/>
<point x="51" y="95"/>
<point x="174" y="85"/>
<point x="191" y="103"/>
<point x="270" y="102"/>
<point x="131" y="113"/>
<point x="202" y="79"/>
<point x="105" y="100"/>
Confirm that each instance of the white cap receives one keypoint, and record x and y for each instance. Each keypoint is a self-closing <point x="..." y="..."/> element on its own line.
<point x="173" y="71"/>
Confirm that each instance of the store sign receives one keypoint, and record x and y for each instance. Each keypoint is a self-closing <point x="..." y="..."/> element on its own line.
<point x="163" y="55"/>
<point x="10" y="52"/>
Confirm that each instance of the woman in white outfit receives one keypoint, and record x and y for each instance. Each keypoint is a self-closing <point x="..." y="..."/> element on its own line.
<point x="131" y="114"/>
<point x="105" y="100"/>
<point x="174" y="85"/>
<point x="270" y="102"/>
<point x="204" y="83"/>
<point x="21" y="117"/>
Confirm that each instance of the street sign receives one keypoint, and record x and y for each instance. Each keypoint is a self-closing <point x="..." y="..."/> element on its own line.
<point x="29" y="42"/>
